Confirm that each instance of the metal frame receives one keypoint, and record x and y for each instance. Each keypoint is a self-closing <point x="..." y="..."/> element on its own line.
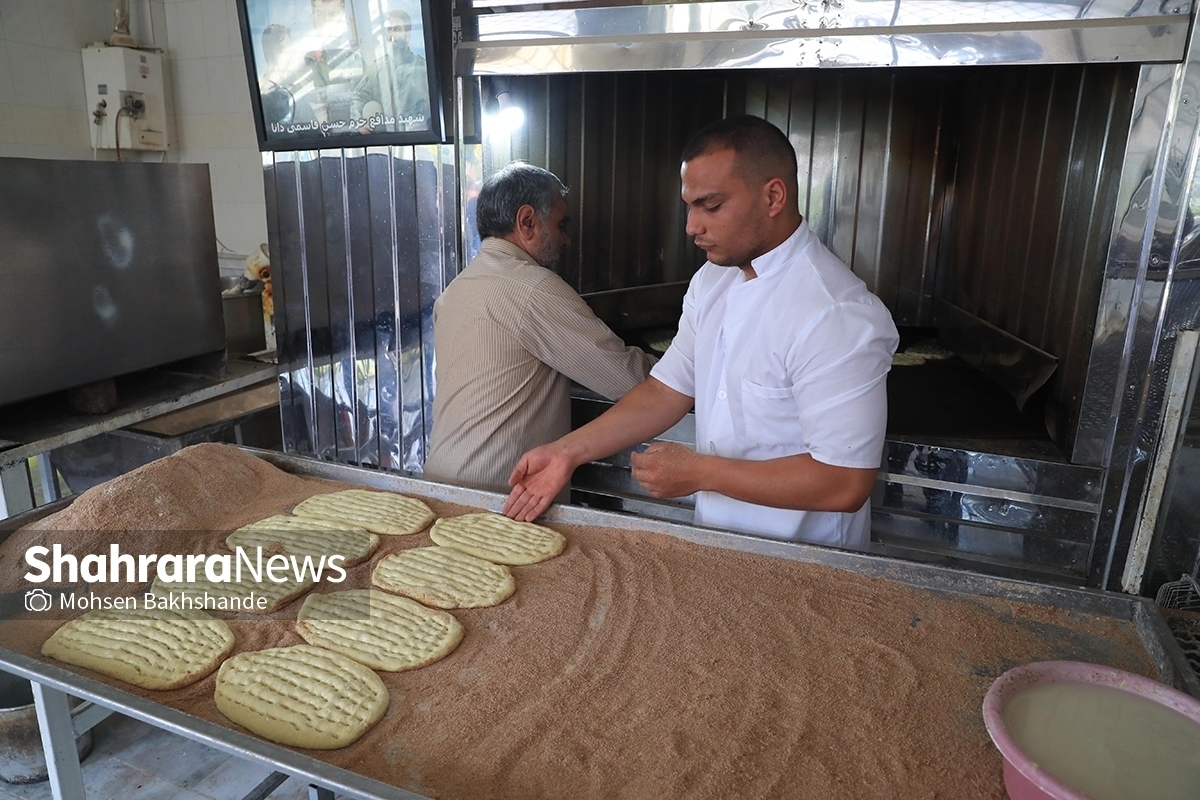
<point x="1148" y="296"/>
<point x="1182" y="385"/>
<point x="436" y="132"/>
<point x="51" y="682"/>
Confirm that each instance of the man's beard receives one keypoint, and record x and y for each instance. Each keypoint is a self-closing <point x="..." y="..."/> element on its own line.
<point x="548" y="252"/>
<point x="752" y="247"/>
<point x="400" y="49"/>
<point x="735" y="260"/>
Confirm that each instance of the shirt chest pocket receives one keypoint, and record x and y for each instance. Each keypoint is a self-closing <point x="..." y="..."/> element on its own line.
<point x="770" y="414"/>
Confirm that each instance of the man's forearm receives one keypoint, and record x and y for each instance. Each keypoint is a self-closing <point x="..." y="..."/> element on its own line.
<point x="646" y="410"/>
<point x="797" y="482"/>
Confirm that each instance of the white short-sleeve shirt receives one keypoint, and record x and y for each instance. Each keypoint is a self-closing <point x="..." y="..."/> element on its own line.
<point x="794" y="361"/>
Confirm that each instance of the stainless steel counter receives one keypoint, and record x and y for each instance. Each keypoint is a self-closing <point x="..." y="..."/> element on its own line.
<point x="54" y="681"/>
<point x="1007" y="515"/>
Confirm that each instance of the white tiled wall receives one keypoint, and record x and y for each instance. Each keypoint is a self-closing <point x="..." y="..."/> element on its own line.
<point x="43" y="113"/>
<point x="214" y="122"/>
<point x="42" y="110"/>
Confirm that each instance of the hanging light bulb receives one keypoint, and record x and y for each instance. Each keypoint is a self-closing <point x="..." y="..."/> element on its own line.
<point x="510" y="116"/>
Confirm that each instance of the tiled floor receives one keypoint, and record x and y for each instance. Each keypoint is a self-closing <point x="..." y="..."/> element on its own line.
<point x="131" y="760"/>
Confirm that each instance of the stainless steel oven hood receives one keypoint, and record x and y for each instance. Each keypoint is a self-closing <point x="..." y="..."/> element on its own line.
<point x="500" y="37"/>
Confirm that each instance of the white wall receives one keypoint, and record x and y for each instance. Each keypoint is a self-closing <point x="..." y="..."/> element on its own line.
<point x="213" y="118"/>
<point x="43" y="112"/>
<point x="42" y="107"/>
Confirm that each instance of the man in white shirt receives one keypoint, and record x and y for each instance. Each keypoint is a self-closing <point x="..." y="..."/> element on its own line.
<point x="781" y="348"/>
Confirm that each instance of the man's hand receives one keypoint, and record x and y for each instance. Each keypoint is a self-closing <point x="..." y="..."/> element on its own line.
<point x="536" y="480"/>
<point x="644" y="412"/>
<point x="667" y="469"/>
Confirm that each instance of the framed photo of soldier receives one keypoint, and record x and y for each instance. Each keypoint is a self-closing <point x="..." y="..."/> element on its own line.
<point x="341" y="73"/>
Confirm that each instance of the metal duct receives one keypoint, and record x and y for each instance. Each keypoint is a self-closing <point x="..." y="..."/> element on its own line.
<point x="505" y="38"/>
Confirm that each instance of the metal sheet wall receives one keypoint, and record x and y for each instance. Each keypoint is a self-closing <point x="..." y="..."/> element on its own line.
<point x="867" y="142"/>
<point x="1149" y="294"/>
<point x="362" y="242"/>
<point x="1040" y="154"/>
<point x="993" y="188"/>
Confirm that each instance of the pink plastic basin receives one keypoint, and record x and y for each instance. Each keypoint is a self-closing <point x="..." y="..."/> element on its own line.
<point x="1025" y="780"/>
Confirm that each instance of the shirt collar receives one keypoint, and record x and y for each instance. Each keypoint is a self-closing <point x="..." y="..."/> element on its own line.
<point x="494" y="245"/>
<point x="784" y="254"/>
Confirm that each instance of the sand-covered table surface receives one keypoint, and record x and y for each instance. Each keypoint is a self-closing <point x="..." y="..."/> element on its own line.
<point x="633" y="665"/>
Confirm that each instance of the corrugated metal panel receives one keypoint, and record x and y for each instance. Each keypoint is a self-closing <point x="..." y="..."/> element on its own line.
<point x="1040" y="155"/>
<point x="867" y="145"/>
<point x="361" y="243"/>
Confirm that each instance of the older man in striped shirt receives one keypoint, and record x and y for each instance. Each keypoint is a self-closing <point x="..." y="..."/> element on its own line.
<point x="510" y="335"/>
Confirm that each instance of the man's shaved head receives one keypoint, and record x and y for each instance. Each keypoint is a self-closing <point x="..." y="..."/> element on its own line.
<point x="763" y="151"/>
<point x="738" y="181"/>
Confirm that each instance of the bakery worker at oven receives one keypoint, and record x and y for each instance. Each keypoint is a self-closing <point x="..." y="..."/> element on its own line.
<point x="510" y="335"/>
<point x="782" y="349"/>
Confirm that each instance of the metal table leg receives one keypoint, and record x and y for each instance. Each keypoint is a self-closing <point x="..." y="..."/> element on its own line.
<point x="266" y="787"/>
<point x="16" y="490"/>
<point x="48" y="478"/>
<point x="58" y="742"/>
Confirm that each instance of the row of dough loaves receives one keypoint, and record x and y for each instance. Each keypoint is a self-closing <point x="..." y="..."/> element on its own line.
<point x="324" y="694"/>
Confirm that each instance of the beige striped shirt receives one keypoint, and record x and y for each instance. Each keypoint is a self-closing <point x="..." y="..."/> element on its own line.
<point x="509" y="337"/>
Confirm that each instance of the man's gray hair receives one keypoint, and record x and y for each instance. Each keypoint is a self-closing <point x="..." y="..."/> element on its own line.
<point x="503" y="194"/>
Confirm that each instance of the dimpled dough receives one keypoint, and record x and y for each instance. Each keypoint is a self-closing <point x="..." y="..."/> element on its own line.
<point x="301" y="696"/>
<point x="302" y="536"/>
<point x="151" y="648"/>
<point x="443" y="577"/>
<point x="930" y="350"/>
<point x="378" y="629"/>
<point x="498" y="539"/>
<point x="277" y="595"/>
<point x="378" y="512"/>
<point x="908" y="359"/>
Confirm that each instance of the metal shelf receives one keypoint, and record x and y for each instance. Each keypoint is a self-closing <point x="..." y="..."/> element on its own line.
<point x="37" y="426"/>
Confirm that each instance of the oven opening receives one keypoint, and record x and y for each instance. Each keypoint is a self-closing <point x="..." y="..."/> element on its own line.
<point x="976" y="202"/>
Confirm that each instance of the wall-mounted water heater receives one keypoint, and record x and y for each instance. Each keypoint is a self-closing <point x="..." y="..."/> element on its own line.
<point x="125" y="98"/>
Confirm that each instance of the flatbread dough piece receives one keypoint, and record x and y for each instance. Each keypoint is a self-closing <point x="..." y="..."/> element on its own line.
<point x="150" y="648"/>
<point x="907" y="360"/>
<point x="301" y="696"/>
<point x="303" y="536"/>
<point x="277" y="595"/>
<point x="377" y="629"/>
<point x="931" y="351"/>
<point x="660" y="345"/>
<point x="498" y="539"/>
<point x="378" y="512"/>
<point x="443" y="577"/>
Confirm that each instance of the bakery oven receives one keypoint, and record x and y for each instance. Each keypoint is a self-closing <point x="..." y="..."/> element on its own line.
<point x="1013" y="180"/>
